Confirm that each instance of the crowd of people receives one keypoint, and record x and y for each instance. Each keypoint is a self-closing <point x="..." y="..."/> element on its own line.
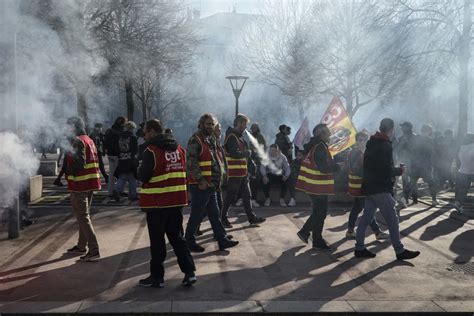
<point x="167" y="173"/>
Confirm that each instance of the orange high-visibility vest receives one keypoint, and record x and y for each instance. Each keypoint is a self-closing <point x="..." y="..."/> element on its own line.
<point x="87" y="179"/>
<point x="355" y="182"/>
<point x="205" y="161"/>
<point x="167" y="186"/>
<point x="311" y="180"/>
<point x="237" y="167"/>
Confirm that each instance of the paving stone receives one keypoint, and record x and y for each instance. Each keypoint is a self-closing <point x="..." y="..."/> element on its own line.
<point x="125" y="307"/>
<point x="216" y="307"/>
<point x="36" y="307"/>
<point x="456" y="306"/>
<point x="306" y="306"/>
<point x="394" y="306"/>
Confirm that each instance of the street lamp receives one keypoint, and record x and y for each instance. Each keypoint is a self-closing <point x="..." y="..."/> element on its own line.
<point x="237" y="83"/>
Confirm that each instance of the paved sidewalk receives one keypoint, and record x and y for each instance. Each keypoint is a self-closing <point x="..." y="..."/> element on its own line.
<point x="269" y="271"/>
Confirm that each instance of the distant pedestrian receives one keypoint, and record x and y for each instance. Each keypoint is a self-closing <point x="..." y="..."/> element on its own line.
<point x="97" y="136"/>
<point x="316" y="178"/>
<point x="162" y="197"/>
<point x="83" y="179"/>
<point x="126" y="170"/>
<point x="404" y="147"/>
<point x="275" y="171"/>
<point x="283" y="141"/>
<point x="295" y="167"/>
<point x="112" y="149"/>
<point x="465" y="176"/>
<point x="377" y="186"/>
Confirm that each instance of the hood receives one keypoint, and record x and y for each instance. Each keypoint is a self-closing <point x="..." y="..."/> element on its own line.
<point x="164" y="141"/>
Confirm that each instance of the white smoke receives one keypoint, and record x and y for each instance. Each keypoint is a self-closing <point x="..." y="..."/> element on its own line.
<point x="261" y="153"/>
<point x="17" y="164"/>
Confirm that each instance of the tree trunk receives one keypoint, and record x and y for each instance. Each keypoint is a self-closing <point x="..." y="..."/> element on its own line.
<point x="464" y="58"/>
<point x="129" y="99"/>
<point x="82" y="107"/>
<point x="144" y="106"/>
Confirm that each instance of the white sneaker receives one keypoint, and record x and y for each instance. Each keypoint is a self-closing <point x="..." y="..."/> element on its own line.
<point x="434" y="202"/>
<point x="255" y="204"/>
<point x="239" y="202"/>
<point x="267" y="202"/>
<point x="292" y="202"/>
<point x="458" y="207"/>
<point x="282" y="202"/>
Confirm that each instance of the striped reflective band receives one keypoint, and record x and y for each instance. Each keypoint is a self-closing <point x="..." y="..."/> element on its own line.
<point x="352" y="177"/>
<point x="91" y="165"/>
<point x="311" y="171"/>
<point x="175" y="188"/>
<point x="236" y="159"/>
<point x="86" y="177"/>
<point x="237" y="166"/>
<point x="205" y="163"/>
<point x="355" y="185"/>
<point x="171" y="175"/>
<point x="206" y="173"/>
<point x="311" y="181"/>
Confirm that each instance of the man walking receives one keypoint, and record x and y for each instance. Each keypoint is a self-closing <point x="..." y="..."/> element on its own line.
<point x="83" y="178"/>
<point x="98" y="137"/>
<point x="377" y="186"/>
<point x="162" y="197"/>
<point x="316" y="178"/>
<point x="112" y="149"/>
<point x="237" y="153"/>
<point x="205" y="175"/>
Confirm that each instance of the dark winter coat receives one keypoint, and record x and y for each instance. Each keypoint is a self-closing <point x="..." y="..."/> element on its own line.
<point x="98" y="139"/>
<point x="321" y="158"/>
<point x="379" y="169"/>
<point x="233" y="150"/>
<point x="162" y="141"/>
<point x="111" y="141"/>
<point x="128" y="146"/>
<point x="285" y="145"/>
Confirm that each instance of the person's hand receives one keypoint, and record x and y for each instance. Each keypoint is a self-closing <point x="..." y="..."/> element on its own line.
<point x="265" y="180"/>
<point x="284" y="178"/>
<point x="203" y="185"/>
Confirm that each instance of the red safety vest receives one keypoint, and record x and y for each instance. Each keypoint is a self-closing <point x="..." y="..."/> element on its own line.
<point x="87" y="179"/>
<point x="167" y="186"/>
<point x="237" y="167"/>
<point x="311" y="180"/>
<point x="355" y="181"/>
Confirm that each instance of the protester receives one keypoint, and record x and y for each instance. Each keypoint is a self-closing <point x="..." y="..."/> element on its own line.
<point x="275" y="171"/>
<point x="162" y="197"/>
<point x="112" y="149"/>
<point x="404" y="150"/>
<point x="294" y="172"/>
<point x="465" y="176"/>
<point x="316" y="178"/>
<point x="127" y="167"/>
<point x="356" y="170"/>
<point x="83" y="179"/>
<point x="237" y="154"/>
<point x="205" y="170"/>
<point x="422" y="164"/>
<point x="377" y="186"/>
<point x="255" y="180"/>
<point x="282" y="139"/>
<point x="443" y="157"/>
<point x="98" y="137"/>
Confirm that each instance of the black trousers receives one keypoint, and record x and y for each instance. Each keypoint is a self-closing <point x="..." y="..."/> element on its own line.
<point x="274" y="179"/>
<point x="235" y="185"/>
<point x="167" y="221"/>
<point x="314" y="224"/>
<point x="101" y="166"/>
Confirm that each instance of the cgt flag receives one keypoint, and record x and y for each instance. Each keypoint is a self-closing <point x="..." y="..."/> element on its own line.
<point x="341" y="127"/>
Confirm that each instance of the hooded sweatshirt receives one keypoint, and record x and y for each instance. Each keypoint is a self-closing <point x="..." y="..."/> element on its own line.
<point x="379" y="170"/>
<point x="162" y="141"/>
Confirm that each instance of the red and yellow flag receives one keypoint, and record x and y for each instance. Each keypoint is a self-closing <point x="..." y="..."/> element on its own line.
<point x="341" y="127"/>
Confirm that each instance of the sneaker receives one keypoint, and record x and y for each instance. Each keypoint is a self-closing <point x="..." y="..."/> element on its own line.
<point x="239" y="202"/>
<point x="189" y="279"/>
<point x="321" y="244"/>
<point x="381" y="236"/>
<point x="292" y="202"/>
<point x="199" y="233"/>
<point x="151" y="282"/>
<point x="434" y="202"/>
<point x="282" y="202"/>
<point x="350" y="234"/>
<point x="302" y="237"/>
<point x="58" y="183"/>
<point x="402" y="205"/>
<point x="76" y="250"/>
<point x="364" y="253"/>
<point x="255" y="204"/>
<point x="267" y="202"/>
<point x="194" y="247"/>
<point x="257" y="220"/>
<point x="458" y="207"/>
<point x="407" y="254"/>
<point x="116" y="196"/>
<point x="90" y="256"/>
<point x="415" y="200"/>
<point x="226" y="223"/>
<point x="227" y="243"/>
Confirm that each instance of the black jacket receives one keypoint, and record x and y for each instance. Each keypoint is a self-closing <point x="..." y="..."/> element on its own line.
<point x="111" y="141"/>
<point x="284" y="144"/>
<point x="321" y="158"/>
<point x="379" y="171"/>
<point x="128" y="146"/>
<point x="162" y="141"/>
<point x="233" y="150"/>
<point x="98" y="139"/>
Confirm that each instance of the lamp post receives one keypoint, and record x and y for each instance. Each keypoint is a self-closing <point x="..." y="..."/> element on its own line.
<point x="237" y="83"/>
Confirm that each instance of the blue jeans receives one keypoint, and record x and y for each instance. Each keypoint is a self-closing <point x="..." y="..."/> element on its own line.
<point x="202" y="202"/>
<point x="132" y="184"/>
<point x="386" y="204"/>
<point x="355" y="211"/>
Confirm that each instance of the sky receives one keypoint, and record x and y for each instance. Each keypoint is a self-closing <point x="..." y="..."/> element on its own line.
<point x="210" y="7"/>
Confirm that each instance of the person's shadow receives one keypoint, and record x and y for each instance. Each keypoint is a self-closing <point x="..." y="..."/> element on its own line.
<point x="462" y="246"/>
